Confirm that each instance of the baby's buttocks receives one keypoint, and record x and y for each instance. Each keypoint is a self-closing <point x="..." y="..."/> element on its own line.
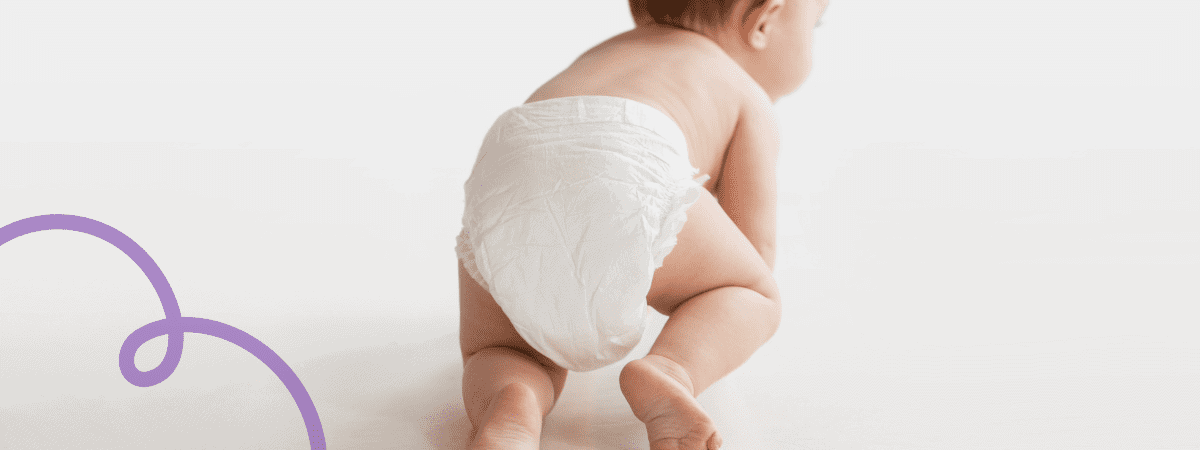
<point x="572" y="205"/>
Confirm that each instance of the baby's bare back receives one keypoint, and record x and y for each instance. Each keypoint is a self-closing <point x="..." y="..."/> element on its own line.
<point x="725" y="115"/>
<point x="680" y="73"/>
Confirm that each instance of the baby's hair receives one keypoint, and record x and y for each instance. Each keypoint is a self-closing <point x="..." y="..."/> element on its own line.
<point x="695" y="15"/>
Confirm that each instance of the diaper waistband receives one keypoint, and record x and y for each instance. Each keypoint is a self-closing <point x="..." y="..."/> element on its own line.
<point x="597" y="108"/>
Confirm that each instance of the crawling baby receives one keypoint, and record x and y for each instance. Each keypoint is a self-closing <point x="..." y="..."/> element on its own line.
<point x="643" y="174"/>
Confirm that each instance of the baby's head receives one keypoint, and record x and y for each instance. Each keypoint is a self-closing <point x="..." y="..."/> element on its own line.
<point x="770" y="39"/>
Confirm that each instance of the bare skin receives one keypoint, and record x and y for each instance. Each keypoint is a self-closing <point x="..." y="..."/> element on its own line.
<point x="716" y="285"/>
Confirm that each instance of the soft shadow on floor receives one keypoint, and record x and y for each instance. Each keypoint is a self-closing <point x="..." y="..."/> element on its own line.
<point x="408" y="395"/>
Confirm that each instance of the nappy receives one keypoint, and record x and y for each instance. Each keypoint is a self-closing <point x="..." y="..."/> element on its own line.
<point x="572" y="204"/>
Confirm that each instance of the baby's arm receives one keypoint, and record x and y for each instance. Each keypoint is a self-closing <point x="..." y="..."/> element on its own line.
<point x="746" y="186"/>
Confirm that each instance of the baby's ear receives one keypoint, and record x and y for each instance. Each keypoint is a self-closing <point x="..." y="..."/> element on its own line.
<point x="640" y="15"/>
<point x="761" y="22"/>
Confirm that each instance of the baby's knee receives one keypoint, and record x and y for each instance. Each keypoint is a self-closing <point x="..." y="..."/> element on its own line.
<point x="769" y="289"/>
<point x="766" y="286"/>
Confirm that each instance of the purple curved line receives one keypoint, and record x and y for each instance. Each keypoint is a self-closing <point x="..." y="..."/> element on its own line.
<point x="308" y="411"/>
<point x="134" y="251"/>
<point x="174" y="325"/>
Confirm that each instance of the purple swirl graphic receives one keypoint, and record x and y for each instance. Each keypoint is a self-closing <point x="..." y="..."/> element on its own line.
<point x="174" y="325"/>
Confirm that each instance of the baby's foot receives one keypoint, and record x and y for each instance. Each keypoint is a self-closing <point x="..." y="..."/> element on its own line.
<point x="512" y="422"/>
<point x="660" y="393"/>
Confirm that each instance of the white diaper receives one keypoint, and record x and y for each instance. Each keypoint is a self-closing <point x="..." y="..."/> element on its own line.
<point x="572" y="205"/>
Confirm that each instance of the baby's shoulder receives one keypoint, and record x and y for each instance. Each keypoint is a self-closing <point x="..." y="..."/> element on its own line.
<point x="654" y="64"/>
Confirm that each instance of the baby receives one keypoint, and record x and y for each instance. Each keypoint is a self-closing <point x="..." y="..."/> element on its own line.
<point x="584" y="208"/>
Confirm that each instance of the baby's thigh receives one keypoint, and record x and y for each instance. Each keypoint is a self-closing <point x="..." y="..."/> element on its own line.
<point x="711" y="252"/>
<point x="482" y="324"/>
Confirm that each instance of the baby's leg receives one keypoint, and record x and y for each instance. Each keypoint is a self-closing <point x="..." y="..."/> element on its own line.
<point x="723" y="305"/>
<point x="508" y="387"/>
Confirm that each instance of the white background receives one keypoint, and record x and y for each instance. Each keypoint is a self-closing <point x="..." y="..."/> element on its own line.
<point x="988" y="221"/>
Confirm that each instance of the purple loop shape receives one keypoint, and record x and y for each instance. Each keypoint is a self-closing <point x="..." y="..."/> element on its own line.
<point x="174" y="325"/>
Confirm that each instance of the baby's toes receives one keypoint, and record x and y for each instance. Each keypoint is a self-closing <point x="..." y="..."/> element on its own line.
<point x="702" y="435"/>
<point x="714" y="442"/>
